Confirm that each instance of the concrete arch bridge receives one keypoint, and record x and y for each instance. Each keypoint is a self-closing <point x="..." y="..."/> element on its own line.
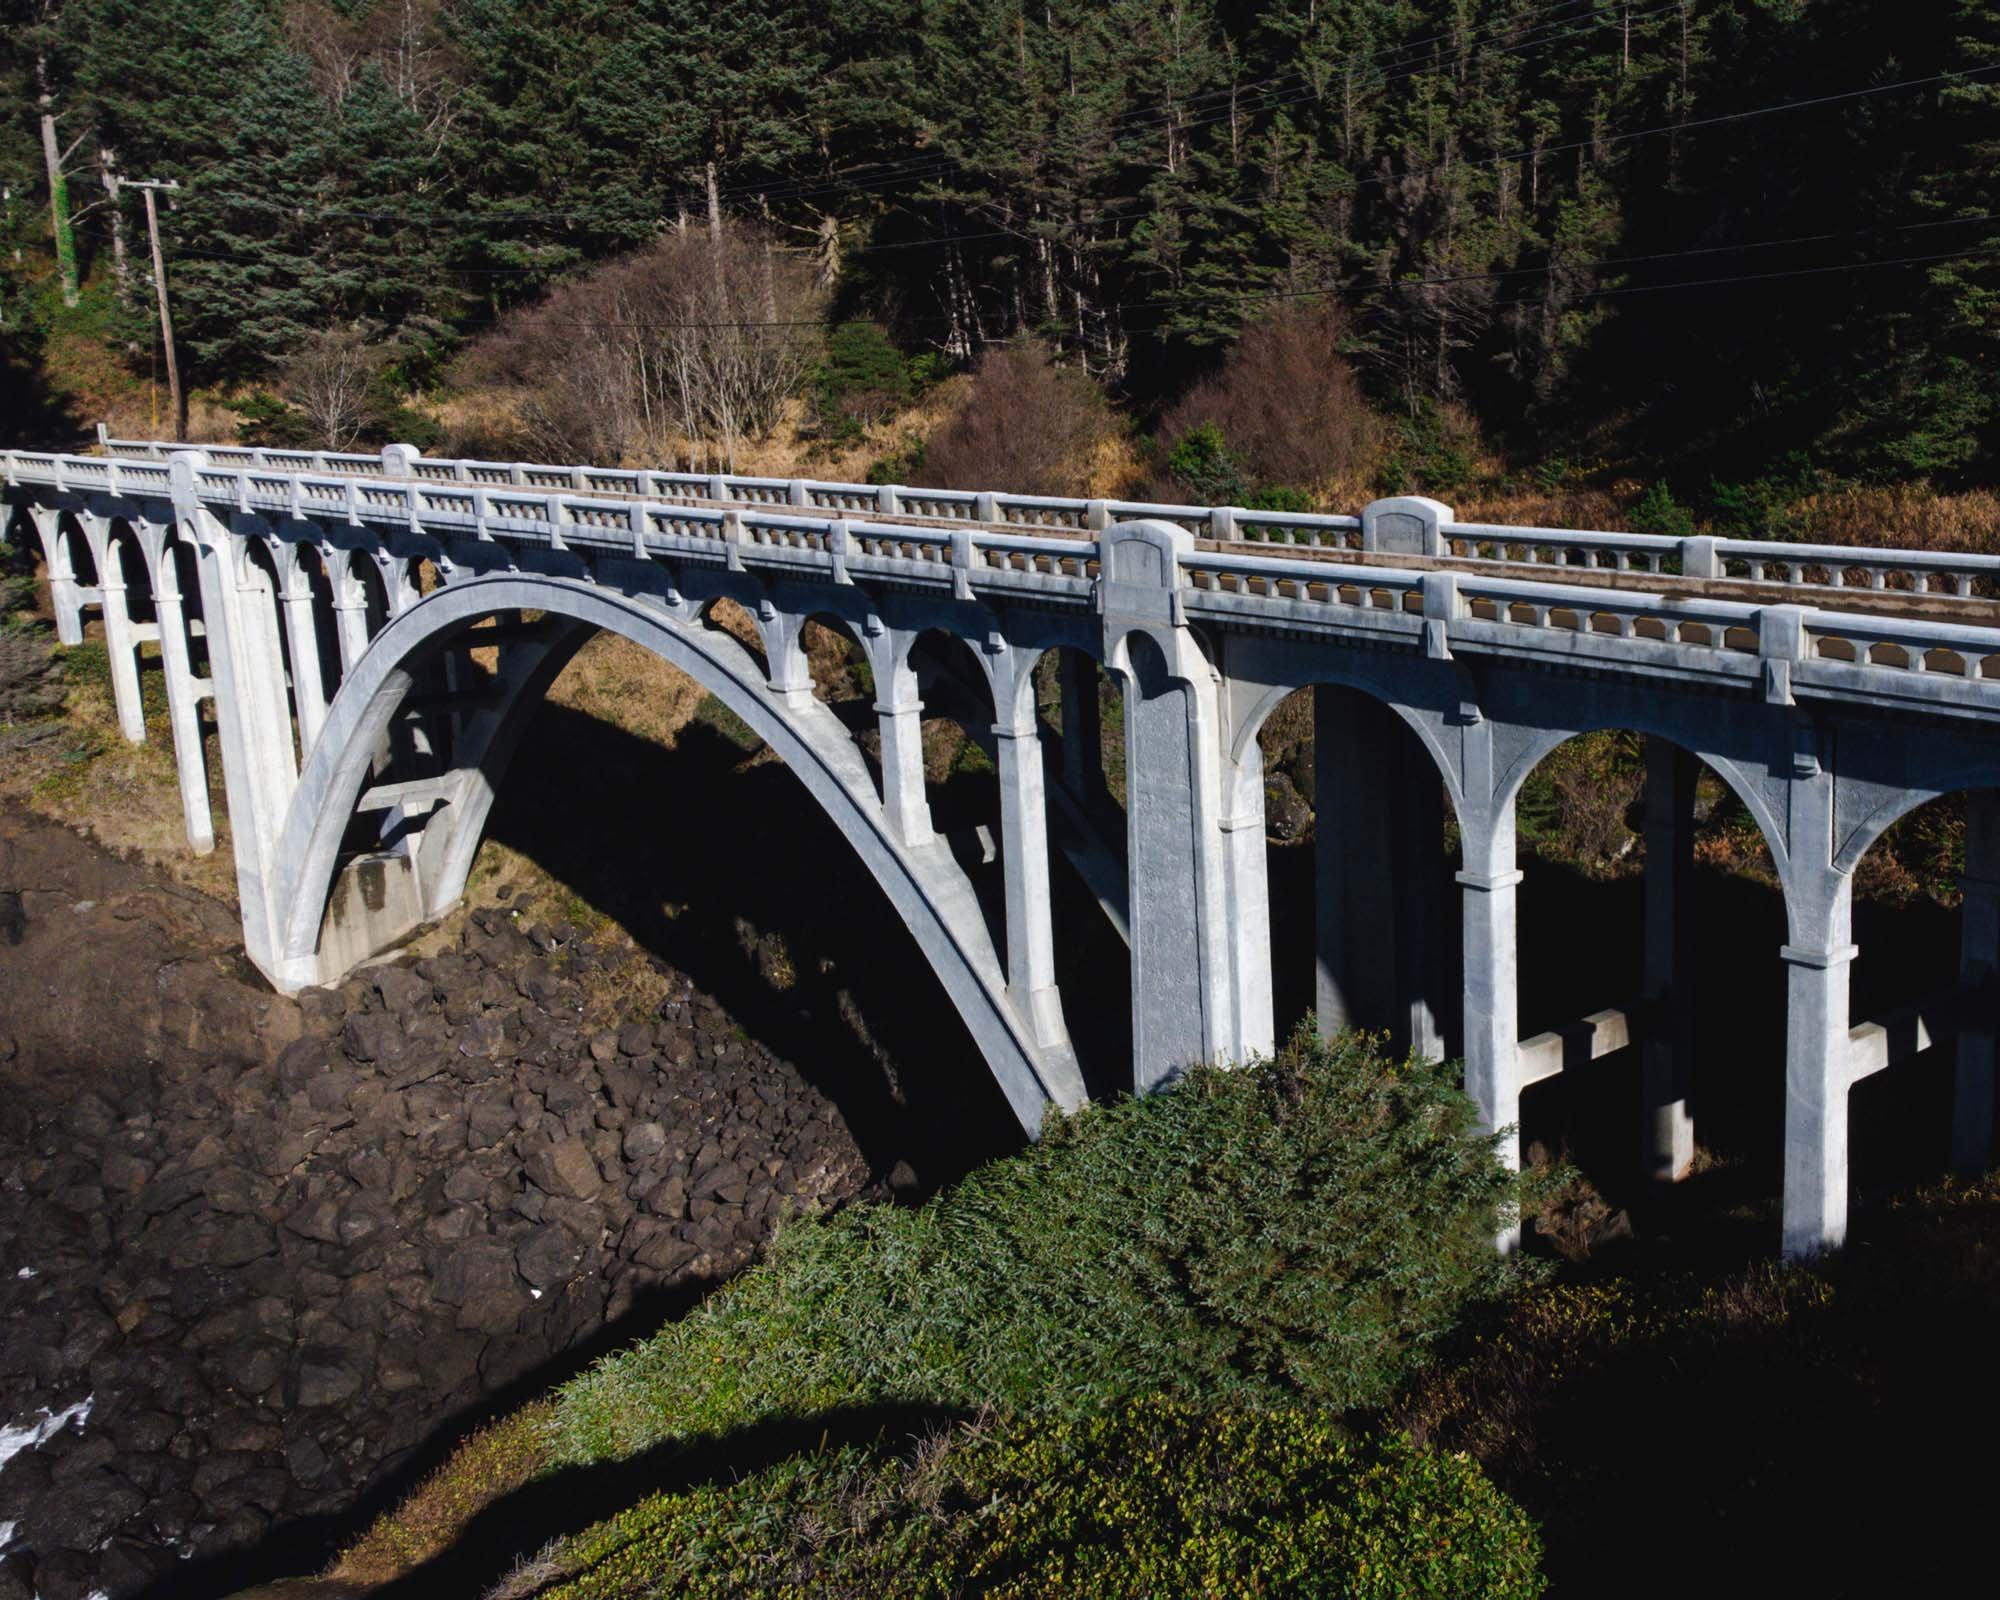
<point x="371" y="632"/>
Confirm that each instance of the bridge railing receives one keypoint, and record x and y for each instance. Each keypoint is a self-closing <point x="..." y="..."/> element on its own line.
<point x="1943" y="664"/>
<point x="1937" y="576"/>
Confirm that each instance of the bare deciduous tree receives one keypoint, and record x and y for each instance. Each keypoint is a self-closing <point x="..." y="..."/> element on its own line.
<point x="1287" y="398"/>
<point x="330" y="379"/>
<point x="698" y="336"/>
<point x="1028" y="425"/>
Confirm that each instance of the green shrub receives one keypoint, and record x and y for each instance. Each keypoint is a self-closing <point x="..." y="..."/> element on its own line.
<point x="1659" y="512"/>
<point x="1278" y="497"/>
<point x="862" y="379"/>
<point x="1769" y="507"/>
<point x="1432" y="449"/>
<point x="1302" y="1229"/>
<point x="1154" y="1498"/>
<point x="1205" y="469"/>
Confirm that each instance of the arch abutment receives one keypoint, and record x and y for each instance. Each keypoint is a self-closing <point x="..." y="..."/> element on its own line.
<point x="121" y="646"/>
<point x="184" y="690"/>
<point x="1667" y="964"/>
<point x="1978" y="965"/>
<point x="64" y="598"/>
<point x="1177" y="871"/>
<point x="1489" y="883"/>
<point x="899" y="719"/>
<point x="1818" y="1052"/>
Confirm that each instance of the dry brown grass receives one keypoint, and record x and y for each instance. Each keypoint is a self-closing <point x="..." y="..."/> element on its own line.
<point x="124" y="796"/>
<point x="488" y="1466"/>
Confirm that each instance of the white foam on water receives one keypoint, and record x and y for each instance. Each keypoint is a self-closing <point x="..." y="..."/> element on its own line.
<point x="27" y="1435"/>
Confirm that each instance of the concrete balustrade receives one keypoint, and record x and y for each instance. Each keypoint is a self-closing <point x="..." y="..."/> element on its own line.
<point x="1832" y="691"/>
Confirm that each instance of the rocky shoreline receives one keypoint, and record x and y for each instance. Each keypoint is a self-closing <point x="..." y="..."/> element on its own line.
<point x="259" y="1257"/>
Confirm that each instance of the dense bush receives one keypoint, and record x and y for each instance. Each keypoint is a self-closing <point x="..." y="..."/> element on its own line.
<point x="1297" y="1230"/>
<point x="1288" y="404"/>
<point x="861" y="380"/>
<point x="1028" y="425"/>
<point x="1151" y="1499"/>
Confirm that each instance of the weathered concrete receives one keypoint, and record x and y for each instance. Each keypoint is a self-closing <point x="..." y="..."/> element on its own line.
<point x="1447" y="660"/>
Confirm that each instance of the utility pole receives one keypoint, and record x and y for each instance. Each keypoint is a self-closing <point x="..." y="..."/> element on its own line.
<point x="166" y="317"/>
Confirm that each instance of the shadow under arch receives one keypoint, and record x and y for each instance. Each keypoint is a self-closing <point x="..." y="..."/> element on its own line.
<point x="1358" y="913"/>
<point x="932" y="900"/>
<point x="1508" y="782"/>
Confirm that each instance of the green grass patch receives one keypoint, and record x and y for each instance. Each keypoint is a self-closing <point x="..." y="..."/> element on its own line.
<point x="1296" y="1231"/>
<point x="1154" y="1498"/>
<point x="714" y="714"/>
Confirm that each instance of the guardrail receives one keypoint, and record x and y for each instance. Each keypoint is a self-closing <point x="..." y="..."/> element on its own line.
<point x="1785" y="648"/>
<point x="1814" y="569"/>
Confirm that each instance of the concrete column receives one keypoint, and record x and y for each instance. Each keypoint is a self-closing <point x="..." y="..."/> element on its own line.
<point x="903" y="796"/>
<point x="350" y="605"/>
<point x="1817" y="1077"/>
<point x="1024" y="862"/>
<point x="1978" y="964"/>
<point x="120" y="648"/>
<point x="183" y="704"/>
<point x="302" y="641"/>
<point x="899" y="718"/>
<point x="1243" y="845"/>
<point x="1082" y="727"/>
<point x="62" y="574"/>
<point x="1667" y="972"/>
<point x="1181" y="980"/>
<point x="252" y="720"/>
<point x="1492" y="1029"/>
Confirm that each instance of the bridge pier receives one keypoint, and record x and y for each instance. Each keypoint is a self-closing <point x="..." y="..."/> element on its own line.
<point x="121" y="645"/>
<point x="1489" y="883"/>
<point x="302" y="643"/>
<point x="899" y="720"/>
<point x="1176" y="869"/>
<point x="1818" y="1054"/>
<point x="183" y="691"/>
<point x="1978" y="964"/>
<point x="64" y="599"/>
<point x="253" y="721"/>
<point x="1024" y="864"/>
<point x="1667" y="964"/>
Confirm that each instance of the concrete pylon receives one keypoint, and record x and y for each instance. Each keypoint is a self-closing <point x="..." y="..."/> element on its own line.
<point x="1177" y="867"/>
<point x="1818" y="1056"/>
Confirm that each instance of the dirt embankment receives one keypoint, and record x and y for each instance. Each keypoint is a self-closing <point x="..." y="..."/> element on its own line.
<point x="259" y="1257"/>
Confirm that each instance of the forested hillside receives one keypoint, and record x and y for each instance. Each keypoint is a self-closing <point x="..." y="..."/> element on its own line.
<point x="1690" y="237"/>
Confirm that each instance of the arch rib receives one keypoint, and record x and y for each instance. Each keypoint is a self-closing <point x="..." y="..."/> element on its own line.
<point x="922" y="883"/>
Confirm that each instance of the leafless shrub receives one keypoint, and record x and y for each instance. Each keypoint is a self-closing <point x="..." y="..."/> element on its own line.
<point x="1286" y="400"/>
<point x="330" y="379"/>
<point x="1027" y="426"/>
<point x="696" y="336"/>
